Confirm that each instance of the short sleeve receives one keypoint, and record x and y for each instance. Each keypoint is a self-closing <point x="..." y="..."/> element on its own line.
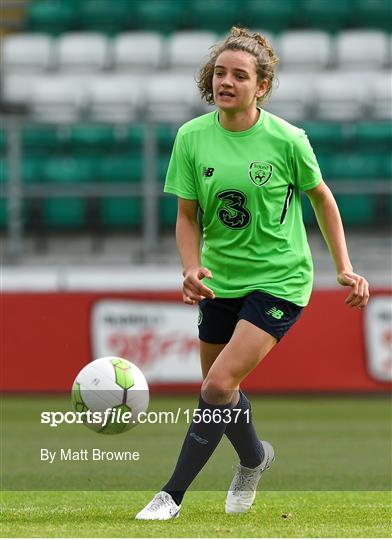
<point x="180" y="179"/>
<point x="307" y="174"/>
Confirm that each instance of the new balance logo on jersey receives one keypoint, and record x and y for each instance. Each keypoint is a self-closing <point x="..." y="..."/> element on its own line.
<point x="275" y="313"/>
<point x="208" y="171"/>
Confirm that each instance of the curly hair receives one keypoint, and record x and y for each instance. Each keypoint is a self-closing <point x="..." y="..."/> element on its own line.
<point x="240" y="39"/>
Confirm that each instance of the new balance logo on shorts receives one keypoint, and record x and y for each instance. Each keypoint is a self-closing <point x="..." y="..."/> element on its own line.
<point x="208" y="171"/>
<point x="275" y="313"/>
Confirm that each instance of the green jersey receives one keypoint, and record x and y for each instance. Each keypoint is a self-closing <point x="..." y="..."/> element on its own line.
<point x="248" y="184"/>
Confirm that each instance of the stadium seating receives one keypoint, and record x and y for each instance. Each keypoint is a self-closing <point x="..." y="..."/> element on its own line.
<point x="52" y="17"/>
<point x="41" y="139"/>
<point x="165" y="136"/>
<point x="137" y="51"/>
<point x="68" y="212"/>
<point x="58" y="16"/>
<point x="329" y="15"/>
<point x="291" y="95"/>
<point x="107" y="17"/>
<point x="3" y="213"/>
<point x="116" y="98"/>
<point x="354" y="165"/>
<point x="372" y="14"/>
<point x="120" y="212"/>
<point x="356" y="209"/>
<point x="99" y="70"/>
<point x="167" y="211"/>
<point x="327" y="137"/>
<point x="171" y="97"/>
<point x="214" y="15"/>
<point x="163" y="16"/>
<point x="380" y="96"/>
<point x="31" y="168"/>
<point x="269" y="14"/>
<point x="82" y="51"/>
<point x="120" y="168"/>
<point x="374" y="135"/>
<point x="304" y="50"/>
<point x="3" y="141"/>
<point x="60" y="169"/>
<point x="339" y="96"/>
<point x="362" y="50"/>
<point x="188" y="50"/>
<point x="58" y="98"/>
<point x="27" y="52"/>
<point x="91" y="138"/>
<point x="64" y="213"/>
<point x="16" y="88"/>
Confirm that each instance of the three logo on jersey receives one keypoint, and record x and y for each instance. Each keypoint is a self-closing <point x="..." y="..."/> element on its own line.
<point x="260" y="172"/>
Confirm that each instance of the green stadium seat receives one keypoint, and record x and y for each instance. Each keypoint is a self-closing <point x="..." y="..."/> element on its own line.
<point x="3" y="170"/>
<point x="166" y="135"/>
<point x="307" y="211"/>
<point x="372" y="13"/>
<point x="163" y="16"/>
<point x="162" y="165"/>
<point x="354" y="209"/>
<point x="107" y="16"/>
<point x="3" y="213"/>
<point x="357" y="209"/>
<point x="69" y="170"/>
<point x="216" y="15"/>
<point x="331" y="15"/>
<point x="120" y="168"/>
<point x="91" y="137"/>
<point x="373" y="136"/>
<point x="41" y="139"/>
<point x="168" y="210"/>
<point x="3" y="141"/>
<point x="268" y="15"/>
<point x="354" y="166"/>
<point x="31" y="170"/>
<point x="64" y="213"/>
<point x="130" y="137"/>
<point x="52" y="16"/>
<point x="325" y="136"/>
<point x="121" y="212"/>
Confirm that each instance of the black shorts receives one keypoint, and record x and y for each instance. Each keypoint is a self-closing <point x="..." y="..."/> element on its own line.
<point x="218" y="317"/>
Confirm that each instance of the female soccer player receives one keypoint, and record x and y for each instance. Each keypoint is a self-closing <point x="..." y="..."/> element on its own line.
<point x="244" y="168"/>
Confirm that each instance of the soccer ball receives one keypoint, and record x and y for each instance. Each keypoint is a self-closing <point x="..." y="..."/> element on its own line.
<point x="110" y="393"/>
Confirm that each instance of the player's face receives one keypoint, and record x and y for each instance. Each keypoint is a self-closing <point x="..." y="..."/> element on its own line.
<point x="235" y="84"/>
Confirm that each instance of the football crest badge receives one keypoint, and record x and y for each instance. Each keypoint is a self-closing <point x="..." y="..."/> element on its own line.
<point x="260" y="172"/>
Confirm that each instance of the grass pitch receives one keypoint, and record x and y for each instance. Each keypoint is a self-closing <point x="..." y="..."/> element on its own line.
<point x="275" y="514"/>
<point x="332" y="476"/>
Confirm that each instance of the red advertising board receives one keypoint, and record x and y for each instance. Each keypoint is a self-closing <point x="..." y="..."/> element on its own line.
<point x="48" y="337"/>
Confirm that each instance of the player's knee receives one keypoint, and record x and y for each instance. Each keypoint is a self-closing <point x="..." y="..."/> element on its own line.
<point x="216" y="391"/>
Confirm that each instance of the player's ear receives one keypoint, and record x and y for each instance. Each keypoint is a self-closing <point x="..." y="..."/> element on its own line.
<point x="262" y="87"/>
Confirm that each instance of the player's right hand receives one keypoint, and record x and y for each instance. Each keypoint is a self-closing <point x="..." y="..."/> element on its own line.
<point x="193" y="289"/>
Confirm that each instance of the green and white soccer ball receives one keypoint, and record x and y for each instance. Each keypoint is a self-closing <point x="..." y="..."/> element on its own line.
<point x="110" y="383"/>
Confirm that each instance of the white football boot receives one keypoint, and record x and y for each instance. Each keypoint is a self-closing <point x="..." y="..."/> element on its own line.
<point x="161" y="507"/>
<point x="242" y="490"/>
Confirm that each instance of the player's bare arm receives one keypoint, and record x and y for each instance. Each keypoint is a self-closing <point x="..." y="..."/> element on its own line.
<point x="188" y="242"/>
<point x="331" y="226"/>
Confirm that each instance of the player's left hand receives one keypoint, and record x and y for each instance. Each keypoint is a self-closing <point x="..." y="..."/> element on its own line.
<point x="359" y="295"/>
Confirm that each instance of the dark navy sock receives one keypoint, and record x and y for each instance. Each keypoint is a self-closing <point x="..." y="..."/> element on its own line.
<point x="242" y="434"/>
<point x="200" y="442"/>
